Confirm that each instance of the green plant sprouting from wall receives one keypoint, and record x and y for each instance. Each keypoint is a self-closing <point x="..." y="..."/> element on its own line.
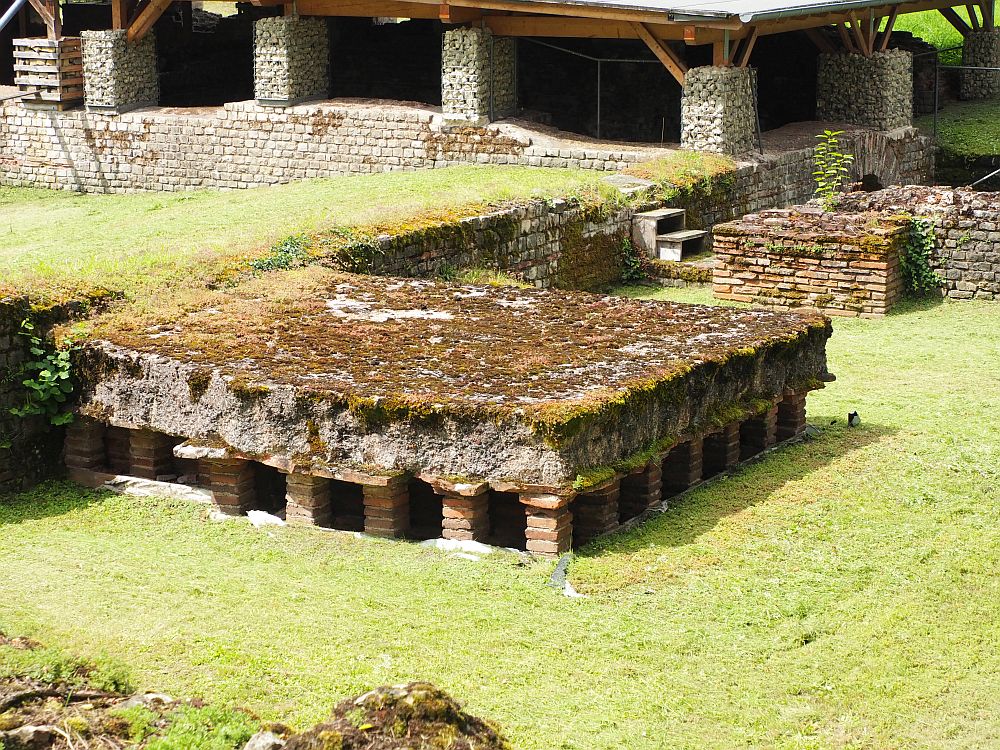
<point x="634" y="266"/>
<point x="47" y="378"/>
<point x="915" y="260"/>
<point x="831" y="168"/>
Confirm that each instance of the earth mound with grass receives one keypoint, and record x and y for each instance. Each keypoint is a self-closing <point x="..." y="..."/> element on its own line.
<point x="401" y="717"/>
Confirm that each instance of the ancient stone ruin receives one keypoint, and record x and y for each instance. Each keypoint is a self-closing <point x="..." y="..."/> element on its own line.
<point x="416" y="409"/>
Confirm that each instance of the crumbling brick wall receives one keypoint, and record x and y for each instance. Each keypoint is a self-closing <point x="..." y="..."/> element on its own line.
<point x="966" y="227"/>
<point x="843" y="264"/>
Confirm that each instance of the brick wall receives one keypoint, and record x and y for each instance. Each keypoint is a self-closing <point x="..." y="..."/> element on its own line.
<point x="843" y="264"/>
<point x="966" y="227"/>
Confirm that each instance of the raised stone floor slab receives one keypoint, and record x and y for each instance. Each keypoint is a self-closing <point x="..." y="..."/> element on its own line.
<point x="349" y="376"/>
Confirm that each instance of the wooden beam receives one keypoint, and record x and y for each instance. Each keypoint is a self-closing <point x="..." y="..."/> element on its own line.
<point x="845" y="38"/>
<point x="448" y="13"/>
<point x="859" y="38"/>
<point x="676" y="67"/>
<point x="742" y="58"/>
<point x="720" y="59"/>
<point x="883" y="40"/>
<point x="955" y="20"/>
<point x="145" y="20"/>
<point x="820" y="40"/>
<point x="368" y="9"/>
<point x="119" y="14"/>
<point x="970" y="8"/>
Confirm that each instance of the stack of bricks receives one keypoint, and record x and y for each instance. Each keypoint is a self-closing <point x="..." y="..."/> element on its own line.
<point x="387" y="508"/>
<point x="791" y="416"/>
<point x="759" y="433"/>
<point x="116" y="443"/>
<point x="550" y="524"/>
<point x="466" y="517"/>
<point x="85" y="445"/>
<point x="842" y="264"/>
<point x="596" y="512"/>
<point x="233" y="485"/>
<point x="151" y="454"/>
<point x="640" y="491"/>
<point x="683" y="466"/>
<point x="307" y="499"/>
<point x="721" y="450"/>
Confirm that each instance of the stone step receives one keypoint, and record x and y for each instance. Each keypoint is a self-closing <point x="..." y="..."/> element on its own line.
<point x="648" y="225"/>
<point x="675" y="245"/>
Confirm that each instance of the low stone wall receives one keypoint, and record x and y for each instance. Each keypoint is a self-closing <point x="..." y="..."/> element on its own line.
<point x="876" y="91"/>
<point x="967" y="230"/>
<point x="981" y="49"/>
<point x="717" y="110"/>
<point x="559" y="244"/>
<point x="843" y="264"/>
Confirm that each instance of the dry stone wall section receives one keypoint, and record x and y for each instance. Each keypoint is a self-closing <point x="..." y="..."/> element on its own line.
<point x="717" y="110"/>
<point x="981" y="49"/>
<point x="876" y="91"/>
<point x="477" y="75"/>
<point x="119" y="76"/>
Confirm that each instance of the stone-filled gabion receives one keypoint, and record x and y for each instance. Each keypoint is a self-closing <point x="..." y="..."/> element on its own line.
<point x="982" y="49"/>
<point x="477" y="75"/>
<point x="717" y="110"/>
<point x="876" y="91"/>
<point x="119" y="76"/>
<point x="291" y="60"/>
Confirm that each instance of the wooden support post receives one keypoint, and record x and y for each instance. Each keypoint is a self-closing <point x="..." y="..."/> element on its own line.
<point x="845" y="38"/>
<point x="742" y="57"/>
<point x="973" y="16"/>
<point x="890" y="23"/>
<point x="596" y="512"/>
<point x="387" y="508"/>
<point x="955" y="20"/>
<point x="466" y="516"/>
<point x="148" y="16"/>
<point x="549" y="529"/>
<point x="307" y="499"/>
<point x="674" y="65"/>
<point x="682" y="468"/>
<point x="151" y="453"/>
<point x="859" y="38"/>
<point x="641" y="490"/>
<point x="120" y="13"/>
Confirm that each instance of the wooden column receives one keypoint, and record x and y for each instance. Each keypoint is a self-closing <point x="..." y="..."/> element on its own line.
<point x="151" y="454"/>
<point x="387" y="508"/>
<point x="550" y="524"/>
<point x="466" y="516"/>
<point x="307" y="499"/>
<point x="758" y="433"/>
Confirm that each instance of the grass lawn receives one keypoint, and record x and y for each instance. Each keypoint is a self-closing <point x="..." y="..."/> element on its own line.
<point x="840" y="593"/>
<point x="57" y="238"/>
<point x="967" y="130"/>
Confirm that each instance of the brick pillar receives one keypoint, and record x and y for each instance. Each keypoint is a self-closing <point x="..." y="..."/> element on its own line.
<point x="640" y="490"/>
<point x="291" y="60"/>
<point x="307" y="499"/>
<point x="981" y="49"/>
<point x="119" y="76"/>
<point x="151" y="454"/>
<point x="232" y="483"/>
<point x="550" y="524"/>
<point x="85" y="445"/>
<point x="477" y="75"/>
<point x="718" y="110"/>
<point x="791" y="416"/>
<point x="466" y="517"/>
<point x="387" y="508"/>
<point x="721" y="450"/>
<point x="876" y="91"/>
<point x="116" y="443"/>
<point x="682" y="468"/>
<point x="758" y="433"/>
<point x="596" y="513"/>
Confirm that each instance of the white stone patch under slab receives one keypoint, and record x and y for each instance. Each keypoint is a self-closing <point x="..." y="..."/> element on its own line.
<point x="137" y="487"/>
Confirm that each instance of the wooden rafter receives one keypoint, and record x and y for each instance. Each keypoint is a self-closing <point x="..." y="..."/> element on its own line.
<point x="845" y="37"/>
<point x="448" y="13"/>
<point x="741" y="55"/>
<point x="674" y="65"/>
<point x="144" y="21"/>
<point x="818" y="39"/>
<point x="48" y="11"/>
<point x="860" y="43"/>
<point x="883" y="41"/>
<point x="955" y="20"/>
<point x="970" y="8"/>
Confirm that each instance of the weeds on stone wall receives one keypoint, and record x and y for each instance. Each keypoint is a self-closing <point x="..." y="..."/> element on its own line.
<point x="290" y="252"/>
<point x="831" y="168"/>
<point x="915" y="261"/>
<point x="634" y="264"/>
<point x="47" y="378"/>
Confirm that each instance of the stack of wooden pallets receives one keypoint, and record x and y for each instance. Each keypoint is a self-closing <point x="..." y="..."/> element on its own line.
<point x="53" y="69"/>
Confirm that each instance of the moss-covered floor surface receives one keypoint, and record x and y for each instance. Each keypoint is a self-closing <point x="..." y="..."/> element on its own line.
<point x="842" y="593"/>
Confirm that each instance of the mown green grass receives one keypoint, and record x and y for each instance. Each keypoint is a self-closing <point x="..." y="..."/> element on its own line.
<point x="966" y="130"/>
<point x="840" y="593"/>
<point x="59" y="239"/>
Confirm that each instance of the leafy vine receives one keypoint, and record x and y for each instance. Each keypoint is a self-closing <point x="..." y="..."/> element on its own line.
<point x="47" y="378"/>
<point x="915" y="260"/>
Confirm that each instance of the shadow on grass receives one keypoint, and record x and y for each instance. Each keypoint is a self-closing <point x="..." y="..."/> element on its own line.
<point x="698" y="511"/>
<point x="48" y="499"/>
<point x="912" y="304"/>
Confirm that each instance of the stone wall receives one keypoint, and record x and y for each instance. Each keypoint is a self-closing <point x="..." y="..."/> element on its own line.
<point x="717" y="110"/>
<point x="558" y="243"/>
<point x="843" y="264"/>
<point x="29" y="447"/>
<point x="966" y="226"/>
<point x="291" y="60"/>
<point x="118" y="76"/>
<point x="981" y="49"/>
<point x="876" y="91"/>
<point x="477" y="75"/>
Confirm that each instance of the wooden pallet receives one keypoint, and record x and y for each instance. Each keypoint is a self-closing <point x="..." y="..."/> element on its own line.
<point x="53" y="69"/>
